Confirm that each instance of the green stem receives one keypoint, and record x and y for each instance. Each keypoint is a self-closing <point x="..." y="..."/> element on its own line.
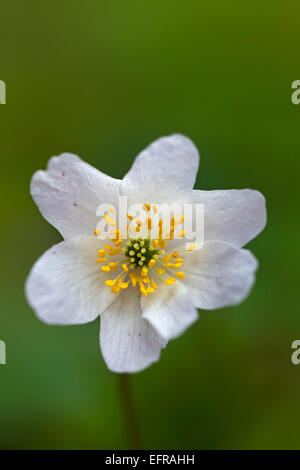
<point x="128" y="411"/>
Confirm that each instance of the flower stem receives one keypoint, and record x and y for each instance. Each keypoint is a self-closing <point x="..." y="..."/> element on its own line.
<point x="128" y="411"/>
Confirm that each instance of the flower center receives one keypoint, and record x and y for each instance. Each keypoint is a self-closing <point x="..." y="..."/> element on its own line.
<point x="141" y="252"/>
<point x="140" y="262"/>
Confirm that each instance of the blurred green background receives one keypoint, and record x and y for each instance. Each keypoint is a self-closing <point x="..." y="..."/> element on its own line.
<point x="102" y="79"/>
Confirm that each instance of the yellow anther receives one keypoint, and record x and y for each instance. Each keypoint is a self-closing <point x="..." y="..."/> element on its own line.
<point x="108" y="247"/>
<point x="167" y="258"/>
<point x="146" y="280"/>
<point x="110" y="283"/>
<point x="180" y="274"/>
<point x="97" y="232"/>
<point x="137" y="228"/>
<point x="177" y="265"/>
<point x="146" y="207"/>
<point x="169" y="265"/>
<point x="191" y="247"/>
<point x="109" y="220"/>
<point x="124" y="285"/>
<point x="115" y="289"/>
<point x="144" y="271"/>
<point x="149" y="222"/>
<point x="170" y="281"/>
<point x="134" y="278"/>
<point x="175" y="254"/>
<point x="155" y="209"/>
<point x="102" y="253"/>
<point x="153" y="284"/>
<point x="114" y="251"/>
<point x="174" y="221"/>
<point x="181" y="219"/>
<point x="129" y="217"/>
<point x="113" y="266"/>
<point x="101" y="260"/>
<point x="160" y="271"/>
<point x="179" y="260"/>
<point x="155" y="243"/>
<point x="106" y="269"/>
<point x="112" y="210"/>
<point x="125" y="268"/>
<point x="118" y="242"/>
<point x="181" y="234"/>
<point x="162" y="244"/>
<point x="139" y="222"/>
<point x="150" y="289"/>
<point x="143" y="290"/>
<point x="152" y="263"/>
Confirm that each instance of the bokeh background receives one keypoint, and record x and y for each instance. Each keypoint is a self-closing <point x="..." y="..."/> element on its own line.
<point x="103" y="79"/>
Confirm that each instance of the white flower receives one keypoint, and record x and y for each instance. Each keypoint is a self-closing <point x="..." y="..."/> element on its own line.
<point x="142" y="306"/>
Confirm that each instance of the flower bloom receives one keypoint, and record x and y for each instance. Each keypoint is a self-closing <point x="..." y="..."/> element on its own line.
<point x="147" y="291"/>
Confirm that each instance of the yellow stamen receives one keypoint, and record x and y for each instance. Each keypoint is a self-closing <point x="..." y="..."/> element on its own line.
<point x="97" y="232"/>
<point x="170" y="281"/>
<point x="101" y="253"/>
<point x="125" y="268"/>
<point x="130" y="217"/>
<point x="112" y="210"/>
<point x="106" y="269"/>
<point x="115" y="289"/>
<point x="162" y="244"/>
<point x="110" y="283"/>
<point x="180" y="274"/>
<point x="113" y="266"/>
<point x="160" y="271"/>
<point x="108" y="247"/>
<point x="101" y="260"/>
<point x="124" y="285"/>
<point x="144" y="271"/>
<point x="109" y="220"/>
<point x="153" y="284"/>
<point x="143" y="290"/>
<point x="146" y="207"/>
<point x="114" y="251"/>
<point x="152" y="262"/>
<point x="191" y="247"/>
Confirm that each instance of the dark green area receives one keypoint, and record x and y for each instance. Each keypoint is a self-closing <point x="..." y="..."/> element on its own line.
<point x="102" y="79"/>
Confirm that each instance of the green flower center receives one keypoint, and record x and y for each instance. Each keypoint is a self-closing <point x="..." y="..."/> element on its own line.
<point x="140" y="252"/>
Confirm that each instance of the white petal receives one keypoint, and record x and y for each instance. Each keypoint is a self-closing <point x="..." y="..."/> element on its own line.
<point x="66" y="285"/>
<point x="219" y="274"/>
<point x="128" y="342"/>
<point x="69" y="192"/>
<point x="163" y="172"/>
<point x="235" y="216"/>
<point x="169" y="310"/>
